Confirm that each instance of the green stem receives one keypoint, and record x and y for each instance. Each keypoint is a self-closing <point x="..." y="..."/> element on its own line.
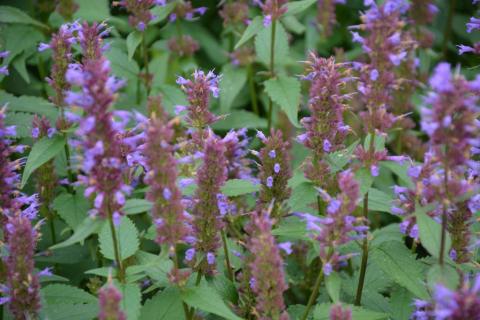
<point x="363" y="267"/>
<point x="448" y="28"/>
<point x="227" y="256"/>
<point x="118" y="260"/>
<point x="253" y="93"/>
<point x="443" y="235"/>
<point x="313" y="295"/>
<point x="272" y="71"/>
<point x="175" y="261"/>
<point x="145" y="64"/>
<point x="52" y="230"/>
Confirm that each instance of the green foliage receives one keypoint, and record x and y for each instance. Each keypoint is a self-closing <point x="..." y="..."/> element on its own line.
<point x="322" y="312"/>
<point x="430" y="233"/>
<point x="285" y="91"/>
<point x="165" y="305"/>
<point x="14" y="15"/>
<point x="253" y="28"/>
<point x="127" y="237"/>
<point x="238" y="187"/>
<point x="233" y="80"/>
<point x="66" y="302"/>
<point x="263" y="44"/>
<point x="133" y="41"/>
<point x="72" y="208"/>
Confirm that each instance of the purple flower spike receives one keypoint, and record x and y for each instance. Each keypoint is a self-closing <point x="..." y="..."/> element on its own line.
<point x="110" y="299"/>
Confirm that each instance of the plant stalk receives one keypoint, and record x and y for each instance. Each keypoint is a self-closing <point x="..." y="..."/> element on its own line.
<point x="145" y="63"/>
<point x="227" y="256"/>
<point x="253" y="93"/>
<point x="272" y="71"/>
<point x="363" y="266"/>
<point x="118" y="260"/>
<point x="443" y="235"/>
<point x="313" y="295"/>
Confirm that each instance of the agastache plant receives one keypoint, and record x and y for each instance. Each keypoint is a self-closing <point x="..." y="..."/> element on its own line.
<point x="275" y="171"/>
<point x="266" y="268"/>
<point x="325" y="128"/>
<point x="22" y="285"/>
<point x="102" y="162"/>
<point x="337" y="312"/>
<point x="473" y="24"/>
<point x="139" y="10"/>
<point x="110" y="298"/>
<point x="207" y="218"/>
<point x="337" y="228"/>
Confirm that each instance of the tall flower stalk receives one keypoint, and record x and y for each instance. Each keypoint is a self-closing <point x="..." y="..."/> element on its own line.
<point x="109" y="299"/>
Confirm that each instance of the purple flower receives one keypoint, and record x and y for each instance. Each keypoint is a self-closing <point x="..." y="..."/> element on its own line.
<point x="190" y="254"/>
<point x="337" y="312"/>
<point x="272" y="10"/>
<point x="110" y="300"/>
<point x="286" y="246"/>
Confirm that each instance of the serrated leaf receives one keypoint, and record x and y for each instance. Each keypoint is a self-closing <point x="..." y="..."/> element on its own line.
<point x="42" y="151"/>
<point x="322" y="312"/>
<point x="72" y="208"/>
<point x="296" y="7"/>
<point x="92" y="10"/>
<point x="285" y="91"/>
<point x="166" y="305"/>
<point x="397" y="261"/>
<point x="85" y="229"/>
<point x="207" y="299"/>
<point x="10" y="14"/>
<point x="337" y="160"/>
<point x="127" y="237"/>
<point x="303" y="196"/>
<point x="122" y="66"/>
<point x="71" y="311"/>
<point x="238" y="187"/>
<point x="430" y="233"/>
<point x="134" y="39"/>
<point x="253" y="28"/>
<point x="333" y="283"/>
<point x="65" y="294"/>
<point x="240" y="119"/>
<point x="131" y="299"/>
<point x="292" y="228"/>
<point x="263" y="43"/>
<point x="33" y="105"/>
<point x="135" y="206"/>
<point x="378" y="201"/>
<point x="22" y="122"/>
<point x="365" y="180"/>
<point x="233" y="80"/>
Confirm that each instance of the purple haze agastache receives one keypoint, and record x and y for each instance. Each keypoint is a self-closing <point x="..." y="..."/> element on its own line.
<point x="236" y="143"/>
<point x="184" y="10"/>
<point x="139" y="10"/>
<point x="473" y="24"/>
<point x="337" y="312"/>
<point x="326" y="15"/>
<point x="386" y="46"/>
<point x="22" y="285"/>
<point x="207" y="223"/>
<point x="61" y="46"/>
<point x="235" y="13"/>
<point x="103" y="165"/>
<point x="91" y="40"/>
<point x="266" y="268"/>
<point x="325" y="128"/>
<point x="169" y="215"/>
<point x="275" y="171"/>
<point x="109" y="298"/>
<point x="183" y="46"/>
<point x="198" y="95"/>
<point x="272" y="9"/>
<point x="339" y="226"/>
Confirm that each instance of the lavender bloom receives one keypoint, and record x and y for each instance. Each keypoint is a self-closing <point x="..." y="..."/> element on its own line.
<point x="266" y="267"/>
<point x="337" y="312"/>
<point x="474" y="24"/>
<point x="325" y="128"/>
<point x="103" y="164"/>
<point x="91" y="40"/>
<point x="22" y="283"/>
<point x="337" y="227"/>
<point x="109" y="299"/>
<point x="168" y="211"/>
<point x="140" y="12"/>
<point x="274" y="172"/>
<point x="185" y="10"/>
<point x="4" y="69"/>
<point x="211" y="176"/>
<point x="236" y="143"/>
<point x="198" y="94"/>
<point x="326" y="15"/>
<point x="272" y="9"/>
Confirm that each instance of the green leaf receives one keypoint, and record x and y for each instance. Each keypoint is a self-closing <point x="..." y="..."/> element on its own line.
<point x="166" y="305"/>
<point x="263" y="43"/>
<point x="445" y="275"/>
<point x="238" y="187"/>
<point x="42" y="151"/>
<point x="296" y="7"/>
<point x="303" y="196"/>
<point x="340" y="158"/>
<point x="156" y="267"/>
<point x="135" y="206"/>
<point x="398" y="262"/>
<point x="207" y="299"/>
<point x="127" y="237"/>
<point x="18" y="39"/>
<point x="131" y="299"/>
<point x="14" y="15"/>
<point x="430" y="233"/>
<point x="401" y="303"/>
<point x="85" y="229"/>
<point x="122" y="66"/>
<point x="162" y="12"/>
<point x="22" y="122"/>
<point x="240" y="119"/>
<point x="19" y="63"/>
<point x="378" y="201"/>
<point x="92" y="10"/>
<point x="61" y="293"/>
<point x="379" y="142"/>
<point x="27" y="104"/>
<point x="285" y="91"/>
<point x="172" y="96"/>
<point x="63" y="302"/>
<point x="133" y="40"/>
<point x="233" y="80"/>
<point x="292" y="228"/>
<point x="208" y="42"/>
<point x="292" y="24"/>
<point x="400" y="170"/>
<point x="253" y="28"/>
<point x="365" y="180"/>
<point x="322" y="312"/>
<point x="71" y="311"/>
<point x="333" y="283"/>
<point x="72" y="208"/>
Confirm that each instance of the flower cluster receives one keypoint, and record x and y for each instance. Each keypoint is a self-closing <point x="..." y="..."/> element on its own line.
<point x="325" y="128"/>
<point x="168" y="212"/>
<point x="183" y="46"/>
<point x="207" y="223"/>
<point x="266" y="268"/>
<point x="109" y="299"/>
<point x="336" y="228"/>
<point x="103" y="163"/>
<point x="91" y="40"/>
<point x="272" y="9"/>
<point x="22" y="285"/>
<point x="184" y="10"/>
<point x="473" y="24"/>
<point x="61" y="46"/>
<point x="3" y="56"/>
<point x="236" y="143"/>
<point x="243" y="56"/>
<point x="422" y="12"/>
<point x="387" y="46"/>
<point x="198" y="95"/>
<point x="235" y="13"/>
<point x="326" y="15"/>
<point x="337" y="312"/>
<point x="140" y="11"/>
<point x="274" y="172"/>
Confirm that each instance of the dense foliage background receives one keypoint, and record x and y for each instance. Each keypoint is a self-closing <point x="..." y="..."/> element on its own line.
<point x="278" y="224"/>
